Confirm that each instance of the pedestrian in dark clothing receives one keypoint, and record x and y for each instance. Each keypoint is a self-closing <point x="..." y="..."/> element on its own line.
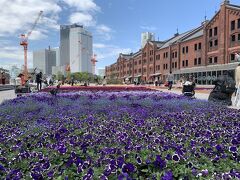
<point x="223" y="90"/>
<point x="39" y="81"/>
<point x="170" y="79"/>
<point x="72" y="81"/>
<point x="3" y="78"/>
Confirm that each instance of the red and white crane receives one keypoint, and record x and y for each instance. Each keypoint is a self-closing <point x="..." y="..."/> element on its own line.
<point x="24" y="43"/>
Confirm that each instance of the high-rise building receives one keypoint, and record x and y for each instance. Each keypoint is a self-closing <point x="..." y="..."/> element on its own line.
<point x="145" y="37"/>
<point x="57" y="55"/>
<point x="75" y="48"/>
<point x="44" y="60"/>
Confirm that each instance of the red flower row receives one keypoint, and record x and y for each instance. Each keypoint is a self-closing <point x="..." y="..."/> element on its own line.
<point x="99" y="88"/>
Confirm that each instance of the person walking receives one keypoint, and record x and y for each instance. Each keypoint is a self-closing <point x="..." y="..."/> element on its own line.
<point x="72" y="81"/>
<point x="237" y="70"/>
<point x="104" y="82"/>
<point x="3" y="78"/>
<point x="170" y="79"/>
<point x="39" y="81"/>
<point x="237" y="79"/>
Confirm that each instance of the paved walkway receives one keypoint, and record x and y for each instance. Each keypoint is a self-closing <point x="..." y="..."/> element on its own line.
<point x="199" y="94"/>
<point x="9" y="94"/>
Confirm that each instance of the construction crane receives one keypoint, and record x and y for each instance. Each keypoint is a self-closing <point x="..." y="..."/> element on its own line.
<point x="94" y="60"/>
<point x="24" y="43"/>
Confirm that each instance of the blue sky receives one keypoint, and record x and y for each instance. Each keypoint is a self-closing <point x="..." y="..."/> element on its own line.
<point x="116" y="25"/>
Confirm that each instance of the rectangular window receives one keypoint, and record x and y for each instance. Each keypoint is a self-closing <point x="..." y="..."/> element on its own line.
<point x="139" y="62"/>
<point x="199" y="45"/>
<point x="175" y="64"/>
<point x="215" y="59"/>
<point x="199" y="60"/>
<point x="173" y="55"/>
<point x="176" y="53"/>
<point x="166" y="66"/>
<point x="195" y="61"/>
<point x="139" y="70"/>
<point x="186" y="63"/>
<point x="183" y="50"/>
<point x="216" y="42"/>
<point x="238" y="37"/>
<point x="232" y="57"/>
<point x="150" y="59"/>
<point x="210" y="43"/>
<point x="210" y="60"/>
<point x="135" y="71"/>
<point x="239" y="23"/>
<point x="215" y="31"/>
<point x="183" y="63"/>
<point x="210" y="32"/>
<point x="195" y="47"/>
<point x="233" y="38"/>
<point x="232" y="25"/>
<point x="166" y="54"/>
<point x="187" y="49"/>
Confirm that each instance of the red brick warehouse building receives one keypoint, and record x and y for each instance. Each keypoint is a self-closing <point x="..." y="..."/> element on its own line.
<point x="204" y="52"/>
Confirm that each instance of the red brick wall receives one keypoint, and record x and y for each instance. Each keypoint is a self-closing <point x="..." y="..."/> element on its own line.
<point x="222" y="48"/>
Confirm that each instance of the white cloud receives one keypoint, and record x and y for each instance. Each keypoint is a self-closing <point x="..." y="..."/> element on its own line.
<point x="99" y="46"/>
<point x="103" y="28"/>
<point x="18" y="16"/>
<point x="104" y="32"/>
<point x="148" y="28"/>
<point x="13" y="55"/>
<point x="83" y="5"/>
<point x="109" y="52"/>
<point x="36" y="35"/>
<point x="82" y="18"/>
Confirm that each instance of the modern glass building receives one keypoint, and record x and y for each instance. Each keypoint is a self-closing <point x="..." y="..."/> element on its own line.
<point x="75" y="48"/>
<point x="44" y="60"/>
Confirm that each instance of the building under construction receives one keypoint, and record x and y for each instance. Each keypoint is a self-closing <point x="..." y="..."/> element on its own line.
<point x="76" y="48"/>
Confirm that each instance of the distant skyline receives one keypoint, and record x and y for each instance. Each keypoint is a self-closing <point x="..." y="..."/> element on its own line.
<point x="116" y="25"/>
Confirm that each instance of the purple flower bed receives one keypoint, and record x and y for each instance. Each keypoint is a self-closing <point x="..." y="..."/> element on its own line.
<point x="117" y="135"/>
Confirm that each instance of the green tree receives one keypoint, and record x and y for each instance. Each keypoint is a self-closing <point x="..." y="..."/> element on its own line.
<point x="60" y="75"/>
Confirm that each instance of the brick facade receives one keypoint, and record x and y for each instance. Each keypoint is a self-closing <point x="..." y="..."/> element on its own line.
<point x="204" y="52"/>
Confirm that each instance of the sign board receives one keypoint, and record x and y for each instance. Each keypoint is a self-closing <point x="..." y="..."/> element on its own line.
<point x="237" y="98"/>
